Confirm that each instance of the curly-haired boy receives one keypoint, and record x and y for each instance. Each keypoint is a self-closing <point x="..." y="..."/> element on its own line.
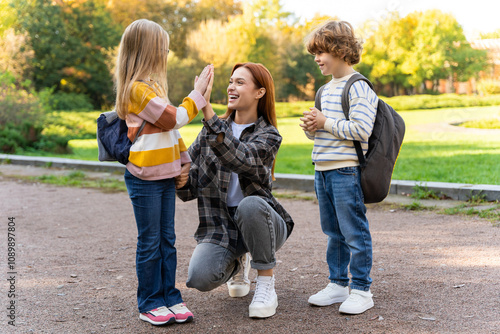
<point x="337" y="173"/>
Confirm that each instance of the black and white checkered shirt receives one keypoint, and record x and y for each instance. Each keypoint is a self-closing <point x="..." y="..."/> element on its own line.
<point x="251" y="157"/>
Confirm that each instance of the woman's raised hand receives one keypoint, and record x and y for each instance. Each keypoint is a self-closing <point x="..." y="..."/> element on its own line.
<point x="208" y="92"/>
<point x="204" y="80"/>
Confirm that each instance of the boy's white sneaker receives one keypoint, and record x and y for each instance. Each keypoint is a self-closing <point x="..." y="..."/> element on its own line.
<point x="333" y="293"/>
<point x="239" y="284"/>
<point x="358" y="302"/>
<point x="265" y="300"/>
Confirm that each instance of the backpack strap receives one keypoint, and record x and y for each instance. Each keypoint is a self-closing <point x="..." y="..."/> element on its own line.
<point x="138" y="132"/>
<point x="317" y="99"/>
<point x="346" y="106"/>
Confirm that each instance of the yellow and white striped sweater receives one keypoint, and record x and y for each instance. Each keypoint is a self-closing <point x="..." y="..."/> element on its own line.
<point x="159" y="151"/>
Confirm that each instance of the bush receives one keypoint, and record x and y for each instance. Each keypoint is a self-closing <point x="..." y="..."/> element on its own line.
<point x="493" y="123"/>
<point x="488" y="87"/>
<point x="414" y="102"/>
<point x="70" y="101"/>
<point x="22" y="119"/>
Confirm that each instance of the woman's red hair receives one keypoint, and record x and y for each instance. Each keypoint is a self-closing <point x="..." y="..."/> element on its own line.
<point x="262" y="78"/>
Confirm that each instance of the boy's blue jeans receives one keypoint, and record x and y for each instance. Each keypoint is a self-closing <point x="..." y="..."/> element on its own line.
<point x="343" y="220"/>
<point x="156" y="256"/>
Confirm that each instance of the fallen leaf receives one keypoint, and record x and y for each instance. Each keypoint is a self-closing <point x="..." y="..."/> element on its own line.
<point x="428" y="318"/>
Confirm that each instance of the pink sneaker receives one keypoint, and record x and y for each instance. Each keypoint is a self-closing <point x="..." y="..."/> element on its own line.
<point x="182" y="313"/>
<point x="158" y="316"/>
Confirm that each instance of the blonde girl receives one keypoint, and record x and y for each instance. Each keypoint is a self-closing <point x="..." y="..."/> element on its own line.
<point x="155" y="161"/>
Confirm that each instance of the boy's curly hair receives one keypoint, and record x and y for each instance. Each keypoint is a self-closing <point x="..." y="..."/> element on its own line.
<point x="338" y="39"/>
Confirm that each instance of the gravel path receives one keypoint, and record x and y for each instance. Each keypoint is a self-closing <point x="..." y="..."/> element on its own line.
<point x="75" y="253"/>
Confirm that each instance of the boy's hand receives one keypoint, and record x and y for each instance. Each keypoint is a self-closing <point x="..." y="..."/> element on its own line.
<point x="320" y="118"/>
<point x="181" y="180"/>
<point x="308" y="122"/>
<point x="313" y="120"/>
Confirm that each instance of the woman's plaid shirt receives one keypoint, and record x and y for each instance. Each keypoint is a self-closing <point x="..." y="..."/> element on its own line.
<point x="251" y="157"/>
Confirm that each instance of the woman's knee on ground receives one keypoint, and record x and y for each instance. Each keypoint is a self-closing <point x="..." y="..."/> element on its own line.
<point x="202" y="280"/>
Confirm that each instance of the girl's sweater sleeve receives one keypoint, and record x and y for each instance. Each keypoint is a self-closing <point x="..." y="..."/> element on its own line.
<point x="156" y="110"/>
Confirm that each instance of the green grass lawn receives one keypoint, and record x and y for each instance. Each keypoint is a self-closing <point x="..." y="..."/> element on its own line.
<point x="432" y="150"/>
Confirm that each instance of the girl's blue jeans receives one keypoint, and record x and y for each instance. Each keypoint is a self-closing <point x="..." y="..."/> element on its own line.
<point x="343" y="220"/>
<point x="156" y="256"/>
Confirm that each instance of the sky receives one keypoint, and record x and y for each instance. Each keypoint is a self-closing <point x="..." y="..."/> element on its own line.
<point x="477" y="16"/>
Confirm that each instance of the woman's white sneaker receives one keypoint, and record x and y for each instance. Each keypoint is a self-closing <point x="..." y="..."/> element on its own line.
<point x="357" y="303"/>
<point x="265" y="300"/>
<point x="239" y="284"/>
<point x="333" y="293"/>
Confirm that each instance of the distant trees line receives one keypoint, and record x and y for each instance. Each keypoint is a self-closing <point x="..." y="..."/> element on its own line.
<point x="68" y="46"/>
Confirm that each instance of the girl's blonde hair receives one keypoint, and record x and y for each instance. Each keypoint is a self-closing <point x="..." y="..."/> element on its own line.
<point x="336" y="38"/>
<point x="142" y="54"/>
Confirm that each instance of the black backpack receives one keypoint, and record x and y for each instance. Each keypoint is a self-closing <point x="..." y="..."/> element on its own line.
<point x="383" y="146"/>
<point x="112" y="141"/>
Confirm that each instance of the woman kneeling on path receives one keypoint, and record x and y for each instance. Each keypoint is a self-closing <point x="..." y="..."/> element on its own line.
<point x="231" y="176"/>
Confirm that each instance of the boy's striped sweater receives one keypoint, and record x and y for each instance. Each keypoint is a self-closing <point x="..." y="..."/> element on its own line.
<point x="333" y="145"/>
<point x="159" y="151"/>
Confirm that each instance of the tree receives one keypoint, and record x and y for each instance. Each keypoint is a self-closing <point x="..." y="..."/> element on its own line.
<point x="385" y="53"/>
<point x="300" y="75"/>
<point x="406" y="52"/>
<point x="70" y="41"/>
<point x="178" y="17"/>
<point x="492" y="35"/>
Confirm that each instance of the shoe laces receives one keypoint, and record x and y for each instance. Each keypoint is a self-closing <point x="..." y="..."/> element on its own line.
<point x="179" y="308"/>
<point x="328" y="288"/>
<point x="355" y="297"/>
<point x="263" y="291"/>
<point x="163" y="310"/>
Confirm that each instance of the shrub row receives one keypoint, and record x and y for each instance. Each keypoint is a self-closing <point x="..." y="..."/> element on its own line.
<point x="404" y="103"/>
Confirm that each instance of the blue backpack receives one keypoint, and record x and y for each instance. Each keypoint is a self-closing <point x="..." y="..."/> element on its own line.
<point x="112" y="140"/>
<point x="383" y="146"/>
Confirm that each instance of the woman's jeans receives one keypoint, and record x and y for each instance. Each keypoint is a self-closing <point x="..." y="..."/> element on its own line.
<point x="262" y="232"/>
<point x="343" y="220"/>
<point x="156" y="256"/>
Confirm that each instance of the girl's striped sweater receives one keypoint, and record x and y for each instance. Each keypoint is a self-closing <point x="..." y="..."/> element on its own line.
<point x="159" y="151"/>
